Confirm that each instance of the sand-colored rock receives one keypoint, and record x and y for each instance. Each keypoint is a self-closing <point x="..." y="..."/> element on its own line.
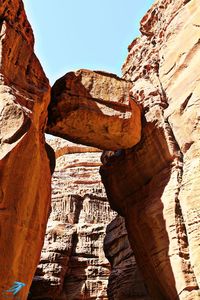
<point x="24" y="164"/>
<point x="73" y="264"/>
<point x="155" y="185"/>
<point x="94" y="108"/>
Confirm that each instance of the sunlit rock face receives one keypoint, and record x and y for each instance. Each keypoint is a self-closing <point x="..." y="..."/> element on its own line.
<point x="73" y="264"/>
<point x="155" y="185"/>
<point x="24" y="164"/>
<point x="151" y="178"/>
<point x="94" y="108"/>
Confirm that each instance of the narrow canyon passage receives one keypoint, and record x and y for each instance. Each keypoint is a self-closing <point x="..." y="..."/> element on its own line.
<point x="147" y="123"/>
<point x="73" y="265"/>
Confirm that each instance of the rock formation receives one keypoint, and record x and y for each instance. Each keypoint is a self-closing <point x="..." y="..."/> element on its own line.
<point x="125" y="281"/>
<point x="73" y="264"/>
<point x="155" y="185"/>
<point x="24" y="164"/>
<point x="151" y="179"/>
<point x="94" y="108"/>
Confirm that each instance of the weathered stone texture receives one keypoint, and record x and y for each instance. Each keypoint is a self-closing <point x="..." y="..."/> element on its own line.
<point x="73" y="264"/>
<point x="155" y="185"/>
<point x="125" y="281"/>
<point x="94" y="108"/>
<point x="24" y="165"/>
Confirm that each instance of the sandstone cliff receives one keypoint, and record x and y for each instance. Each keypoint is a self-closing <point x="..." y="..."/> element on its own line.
<point x="155" y="185"/>
<point x="24" y="164"/>
<point x="73" y="264"/>
<point x="125" y="281"/>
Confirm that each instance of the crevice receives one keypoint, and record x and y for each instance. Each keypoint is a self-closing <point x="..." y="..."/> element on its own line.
<point x="51" y="157"/>
<point x="185" y="103"/>
<point x="174" y="65"/>
<point x="1" y="24"/>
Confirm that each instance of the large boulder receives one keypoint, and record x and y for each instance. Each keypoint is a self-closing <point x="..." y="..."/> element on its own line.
<point x="94" y="108"/>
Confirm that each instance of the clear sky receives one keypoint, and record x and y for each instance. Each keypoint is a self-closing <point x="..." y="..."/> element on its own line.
<point x="90" y="34"/>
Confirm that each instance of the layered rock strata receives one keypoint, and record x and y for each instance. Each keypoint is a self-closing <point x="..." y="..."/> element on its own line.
<point x="24" y="164"/>
<point x="125" y="281"/>
<point x="155" y="185"/>
<point x="94" y="108"/>
<point x="73" y="264"/>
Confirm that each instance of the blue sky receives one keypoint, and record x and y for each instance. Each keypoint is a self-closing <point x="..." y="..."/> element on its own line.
<point x="91" y="34"/>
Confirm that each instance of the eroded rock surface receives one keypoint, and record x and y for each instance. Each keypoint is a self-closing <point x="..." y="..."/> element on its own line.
<point x="155" y="185"/>
<point x="24" y="164"/>
<point x="94" y="108"/>
<point x="73" y="264"/>
<point x="125" y="281"/>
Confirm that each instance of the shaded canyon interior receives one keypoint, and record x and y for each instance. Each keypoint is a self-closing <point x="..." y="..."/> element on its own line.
<point x="141" y="210"/>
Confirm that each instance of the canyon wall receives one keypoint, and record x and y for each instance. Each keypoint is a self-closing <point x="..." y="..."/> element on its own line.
<point x="125" y="281"/>
<point x="73" y="264"/>
<point x="155" y="185"/>
<point x="24" y="164"/>
<point x="80" y="229"/>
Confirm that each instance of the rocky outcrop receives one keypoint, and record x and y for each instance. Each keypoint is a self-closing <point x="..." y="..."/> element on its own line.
<point x="125" y="281"/>
<point x="155" y="184"/>
<point x="94" y="108"/>
<point x="24" y="164"/>
<point x="73" y="264"/>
